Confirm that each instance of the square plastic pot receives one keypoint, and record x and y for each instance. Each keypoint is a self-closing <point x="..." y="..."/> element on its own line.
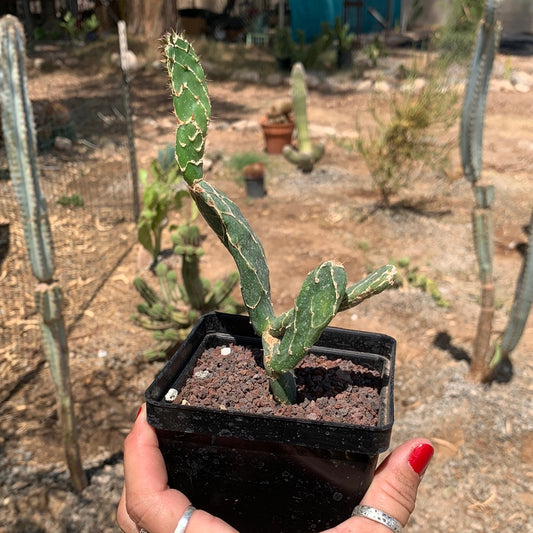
<point x="265" y="473"/>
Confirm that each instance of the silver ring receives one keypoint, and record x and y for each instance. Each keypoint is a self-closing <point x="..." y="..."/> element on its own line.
<point x="142" y="530"/>
<point x="184" y="520"/>
<point x="377" y="516"/>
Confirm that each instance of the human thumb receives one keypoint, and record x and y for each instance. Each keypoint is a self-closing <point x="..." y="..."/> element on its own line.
<point x="393" y="489"/>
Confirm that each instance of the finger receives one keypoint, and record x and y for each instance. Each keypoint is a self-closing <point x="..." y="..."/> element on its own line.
<point x="394" y="487"/>
<point x="149" y="502"/>
<point x="125" y="523"/>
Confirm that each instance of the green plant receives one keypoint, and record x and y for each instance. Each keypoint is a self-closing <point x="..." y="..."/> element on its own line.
<point x="341" y="35"/>
<point x="241" y="160"/>
<point x="172" y="312"/>
<point x="307" y="154"/>
<point x="75" y="200"/>
<point x="21" y="146"/>
<point x="75" y="33"/>
<point x="283" y="43"/>
<point x="404" y="145"/>
<point x="375" y="50"/>
<point x="411" y="275"/>
<point x="286" y="48"/>
<point x="456" y="38"/>
<point x="487" y="357"/>
<point x="308" y="54"/>
<point x="163" y="194"/>
<point x="286" y="337"/>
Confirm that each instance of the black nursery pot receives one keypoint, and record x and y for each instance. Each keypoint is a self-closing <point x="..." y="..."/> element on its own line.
<point x="264" y="473"/>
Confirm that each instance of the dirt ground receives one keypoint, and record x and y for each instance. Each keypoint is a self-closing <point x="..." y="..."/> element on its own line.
<point x="481" y="476"/>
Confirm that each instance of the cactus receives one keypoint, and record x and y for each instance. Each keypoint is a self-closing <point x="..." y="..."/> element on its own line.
<point x="160" y="196"/>
<point x="486" y="357"/>
<point x="21" y="145"/>
<point x="307" y="154"/>
<point x="287" y="337"/>
<point x="172" y="313"/>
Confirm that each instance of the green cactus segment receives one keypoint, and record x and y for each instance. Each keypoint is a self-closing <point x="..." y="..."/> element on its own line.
<point x="523" y="300"/>
<point x="284" y="388"/>
<point x="316" y="304"/>
<point x="376" y="282"/>
<point x="232" y="228"/>
<point x="191" y="104"/>
<point x="307" y="154"/>
<point x="471" y="136"/>
<point x="299" y="106"/>
<point x="21" y="146"/>
<point x="483" y="230"/>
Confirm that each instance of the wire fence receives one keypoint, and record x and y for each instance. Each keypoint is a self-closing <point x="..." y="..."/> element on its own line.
<point x="88" y="190"/>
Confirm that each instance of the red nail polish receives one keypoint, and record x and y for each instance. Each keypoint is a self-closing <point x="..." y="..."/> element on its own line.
<point x="420" y="457"/>
<point x="138" y="412"/>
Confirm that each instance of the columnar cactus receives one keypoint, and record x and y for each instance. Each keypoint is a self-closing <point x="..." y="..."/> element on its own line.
<point x="486" y="357"/>
<point x="173" y="312"/>
<point x="307" y="154"/>
<point x="287" y="337"/>
<point x="21" y="145"/>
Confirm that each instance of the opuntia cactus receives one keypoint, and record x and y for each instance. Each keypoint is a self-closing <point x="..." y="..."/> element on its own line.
<point x="21" y="145"/>
<point x="285" y="338"/>
<point x="486" y="357"/>
<point x="307" y="154"/>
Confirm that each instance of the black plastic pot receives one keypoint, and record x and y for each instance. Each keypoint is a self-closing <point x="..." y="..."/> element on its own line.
<point x="255" y="186"/>
<point x="264" y="473"/>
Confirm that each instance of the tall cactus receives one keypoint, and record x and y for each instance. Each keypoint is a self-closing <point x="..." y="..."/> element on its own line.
<point x="287" y="337"/>
<point x="485" y="356"/>
<point x="307" y="154"/>
<point x="19" y="135"/>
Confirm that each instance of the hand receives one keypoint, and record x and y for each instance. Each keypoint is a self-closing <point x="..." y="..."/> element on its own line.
<point x="148" y="503"/>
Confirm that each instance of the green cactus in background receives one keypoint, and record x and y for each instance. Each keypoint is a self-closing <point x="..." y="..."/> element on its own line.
<point x="307" y="154"/>
<point x="160" y="196"/>
<point x="172" y="312"/>
<point x="21" y="145"/>
<point x="486" y="357"/>
<point x="287" y="337"/>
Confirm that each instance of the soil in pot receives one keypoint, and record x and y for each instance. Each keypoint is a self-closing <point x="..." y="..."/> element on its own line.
<point x="332" y="390"/>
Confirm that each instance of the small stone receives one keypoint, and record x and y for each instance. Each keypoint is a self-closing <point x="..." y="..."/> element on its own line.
<point x="62" y="144"/>
<point x="382" y="87"/>
<point x="522" y="88"/>
<point x="225" y="351"/>
<point x="171" y="395"/>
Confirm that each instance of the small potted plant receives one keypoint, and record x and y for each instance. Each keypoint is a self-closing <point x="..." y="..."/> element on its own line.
<point x="251" y="166"/>
<point x="344" y="40"/>
<point x="254" y="178"/>
<point x="278" y="126"/>
<point x="266" y="469"/>
<point x="284" y="47"/>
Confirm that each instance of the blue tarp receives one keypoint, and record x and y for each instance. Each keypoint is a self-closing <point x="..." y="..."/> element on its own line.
<point x="308" y="16"/>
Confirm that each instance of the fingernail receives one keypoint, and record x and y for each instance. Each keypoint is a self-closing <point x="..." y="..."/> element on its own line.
<point x="420" y="457"/>
<point x="138" y="412"/>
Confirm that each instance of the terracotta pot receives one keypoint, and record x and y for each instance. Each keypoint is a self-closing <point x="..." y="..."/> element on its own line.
<point x="277" y="135"/>
<point x="263" y="473"/>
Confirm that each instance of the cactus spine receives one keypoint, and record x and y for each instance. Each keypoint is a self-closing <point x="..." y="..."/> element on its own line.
<point x="286" y="337"/>
<point x="19" y="134"/>
<point x="486" y="357"/>
<point x="307" y="154"/>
